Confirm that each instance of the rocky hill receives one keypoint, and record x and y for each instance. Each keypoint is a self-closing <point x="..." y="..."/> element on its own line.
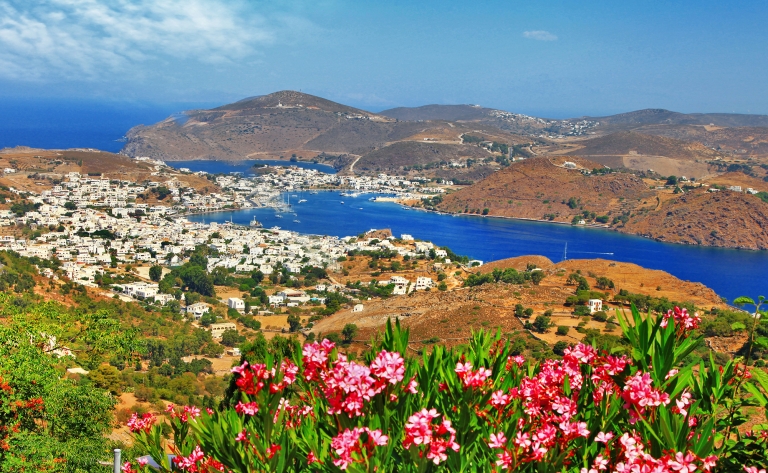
<point x="641" y="152"/>
<point x="655" y="116"/>
<point x="542" y="188"/>
<point x="725" y="218"/>
<point x="279" y="125"/>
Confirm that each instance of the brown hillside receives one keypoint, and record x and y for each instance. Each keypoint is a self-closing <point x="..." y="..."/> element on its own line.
<point x="451" y="316"/>
<point x="396" y="156"/>
<point x="540" y="187"/>
<point x="728" y="219"/>
<point x="279" y="125"/>
<point x="739" y="142"/>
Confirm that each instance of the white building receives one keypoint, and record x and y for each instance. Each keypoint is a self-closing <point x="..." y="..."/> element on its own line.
<point x="198" y="309"/>
<point x="217" y="330"/>
<point x="595" y="305"/>
<point x="423" y="283"/>
<point x="236" y="303"/>
<point x="358" y="308"/>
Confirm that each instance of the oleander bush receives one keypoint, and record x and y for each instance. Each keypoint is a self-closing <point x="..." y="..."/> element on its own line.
<point x="476" y="408"/>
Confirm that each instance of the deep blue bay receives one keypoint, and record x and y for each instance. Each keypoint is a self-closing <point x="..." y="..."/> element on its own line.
<point x="731" y="273"/>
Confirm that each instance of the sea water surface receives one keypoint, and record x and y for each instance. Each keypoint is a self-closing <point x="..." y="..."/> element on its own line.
<point x="731" y="273"/>
<point x="61" y="124"/>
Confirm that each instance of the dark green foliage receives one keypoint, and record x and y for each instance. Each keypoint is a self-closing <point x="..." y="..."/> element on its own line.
<point x="348" y="332"/>
<point x="155" y="272"/>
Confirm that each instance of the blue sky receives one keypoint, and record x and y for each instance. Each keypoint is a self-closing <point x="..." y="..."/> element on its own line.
<point x="546" y="58"/>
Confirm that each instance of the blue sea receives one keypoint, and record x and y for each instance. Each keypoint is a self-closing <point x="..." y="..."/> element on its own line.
<point x="731" y="273"/>
<point x="60" y="124"/>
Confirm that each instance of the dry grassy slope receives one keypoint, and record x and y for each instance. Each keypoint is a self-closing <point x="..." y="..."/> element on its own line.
<point x="739" y="179"/>
<point x="451" y="316"/>
<point x="660" y="116"/>
<point x="752" y="140"/>
<point x="726" y="219"/>
<point x="394" y="157"/>
<point x="521" y="191"/>
<point x="56" y="163"/>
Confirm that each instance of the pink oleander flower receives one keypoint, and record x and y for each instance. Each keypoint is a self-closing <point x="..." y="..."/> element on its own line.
<point x="469" y="378"/>
<point x="684" y="322"/>
<point x="242" y="436"/>
<point x="499" y="399"/>
<point x="142" y="461"/>
<point x="413" y="386"/>
<point x="682" y="403"/>
<point x="604" y="437"/>
<point x="127" y="468"/>
<point x="189" y="462"/>
<point x="753" y="469"/>
<point x="311" y="458"/>
<point x="639" y="394"/>
<point x="348" y="447"/>
<point x="141" y="424"/>
<point x="504" y="461"/>
<point x="419" y="430"/>
<point x="497" y="440"/>
<point x="683" y="463"/>
<point x="389" y="367"/>
<point x="250" y="408"/>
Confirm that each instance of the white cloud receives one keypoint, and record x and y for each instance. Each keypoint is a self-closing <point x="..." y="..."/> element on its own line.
<point x="540" y="35"/>
<point x="89" y="39"/>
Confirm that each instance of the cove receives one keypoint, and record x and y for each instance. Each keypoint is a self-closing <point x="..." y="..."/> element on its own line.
<point x="731" y="273"/>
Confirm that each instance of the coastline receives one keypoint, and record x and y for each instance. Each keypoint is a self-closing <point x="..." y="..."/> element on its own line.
<point x="590" y="225"/>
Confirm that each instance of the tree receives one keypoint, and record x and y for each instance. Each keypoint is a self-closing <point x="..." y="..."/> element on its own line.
<point x="294" y="323"/>
<point x="155" y="272"/>
<point x="207" y="319"/>
<point x="604" y="283"/>
<point x="542" y="323"/>
<point x="212" y="350"/>
<point x="537" y="276"/>
<point x="70" y="205"/>
<point x="231" y="338"/>
<point x="442" y="286"/>
<point x="348" y="332"/>
<point x="559" y="348"/>
<point x="672" y="181"/>
<point x="563" y="330"/>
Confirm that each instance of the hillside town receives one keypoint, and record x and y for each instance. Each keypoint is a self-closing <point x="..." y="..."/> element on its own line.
<point x="93" y="225"/>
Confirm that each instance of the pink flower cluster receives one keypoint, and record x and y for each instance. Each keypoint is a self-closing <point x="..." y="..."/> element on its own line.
<point x="469" y="378"/>
<point x="252" y="378"/>
<point x="197" y="462"/>
<point x="549" y="410"/>
<point x="439" y="437"/>
<point x="349" y="448"/>
<point x="348" y="385"/>
<point x="141" y="424"/>
<point x="639" y="395"/>
<point x="684" y="322"/>
<point x="633" y="459"/>
<point x="185" y="414"/>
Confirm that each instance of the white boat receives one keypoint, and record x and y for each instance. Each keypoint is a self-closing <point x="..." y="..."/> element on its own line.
<point x="342" y="202"/>
<point x="297" y="221"/>
<point x="278" y="216"/>
<point x="302" y="201"/>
